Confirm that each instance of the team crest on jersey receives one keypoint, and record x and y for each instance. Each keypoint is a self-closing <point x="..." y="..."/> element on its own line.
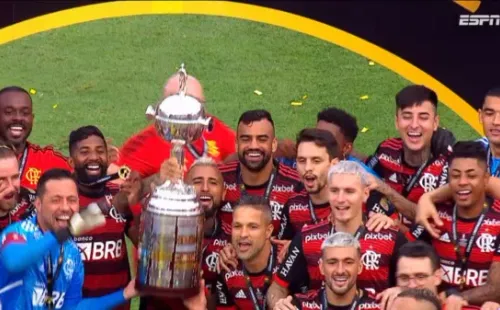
<point x="486" y="243"/>
<point x="428" y="182"/>
<point x="213" y="149"/>
<point x="211" y="261"/>
<point x="69" y="268"/>
<point x="33" y="175"/>
<point x="371" y="260"/>
<point x="276" y="208"/>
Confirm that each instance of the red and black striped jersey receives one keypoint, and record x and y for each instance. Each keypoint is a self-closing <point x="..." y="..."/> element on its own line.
<point x="298" y="212"/>
<point x="23" y="209"/>
<point x="485" y="248"/>
<point x="314" y="299"/>
<point x="212" y="245"/>
<point x="104" y="251"/>
<point x="233" y="292"/>
<point x="300" y="267"/>
<point x="388" y="163"/>
<point x="284" y="186"/>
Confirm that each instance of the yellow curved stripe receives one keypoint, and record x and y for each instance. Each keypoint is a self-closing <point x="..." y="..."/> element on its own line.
<point x="470" y="5"/>
<point x="252" y="13"/>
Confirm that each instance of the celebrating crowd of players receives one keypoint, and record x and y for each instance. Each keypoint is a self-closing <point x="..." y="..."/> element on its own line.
<point x="305" y="224"/>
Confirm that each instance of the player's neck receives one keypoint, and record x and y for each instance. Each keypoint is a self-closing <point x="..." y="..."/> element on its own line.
<point x="255" y="178"/>
<point x="19" y="148"/>
<point x="259" y="262"/>
<point x="341" y="300"/>
<point x="209" y="225"/>
<point x="3" y="213"/>
<point x="415" y="159"/>
<point x="321" y="197"/>
<point x="495" y="150"/>
<point x="474" y="211"/>
<point x="350" y="226"/>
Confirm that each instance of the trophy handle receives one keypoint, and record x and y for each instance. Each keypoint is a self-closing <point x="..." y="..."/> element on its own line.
<point x="178" y="152"/>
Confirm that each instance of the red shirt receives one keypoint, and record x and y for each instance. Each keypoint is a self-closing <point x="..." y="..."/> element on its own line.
<point x="35" y="160"/>
<point x="313" y="300"/>
<point x="104" y="252"/>
<point x="146" y="151"/>
<point x="22" y="210"/>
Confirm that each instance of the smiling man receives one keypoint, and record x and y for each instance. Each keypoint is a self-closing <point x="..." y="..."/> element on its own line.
<point x="16" y="123"/>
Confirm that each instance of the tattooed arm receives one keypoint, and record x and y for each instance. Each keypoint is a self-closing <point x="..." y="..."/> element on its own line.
<point x="403" y="205"/>
<point x="488" y="292"/>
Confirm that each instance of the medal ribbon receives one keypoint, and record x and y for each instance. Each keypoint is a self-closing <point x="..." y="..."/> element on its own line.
<point x="413" y="179"/>
<point x="463" y="260"/>
<point x="23" y="160"/>
<point x="313" y="215"/>
<point x="270" y="183"/>
<point x="51" y="277"/>
<point x="267" y="281"/>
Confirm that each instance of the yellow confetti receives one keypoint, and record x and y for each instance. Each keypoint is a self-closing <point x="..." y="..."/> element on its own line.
<point x="371" y="63"/>
<point x="32" y="91"/>
<point x="54" y="106"/>
<point x="304" y="97"/>
<point x="296" y="103"/>
<point x="364" y="97"/>
<point x="257" y="92"/>
<point x="365" y="129"/>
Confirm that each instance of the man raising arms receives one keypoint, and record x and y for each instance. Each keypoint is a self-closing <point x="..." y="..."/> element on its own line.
<point x="16" y="123"/>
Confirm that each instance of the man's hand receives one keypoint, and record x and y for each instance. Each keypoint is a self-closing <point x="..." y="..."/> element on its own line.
<point x="171" y="170"/>
<point x="428" y="216"/>
<point x="198" y="302"/>
<point x="286" y="148"/>
<point x="86" y="220"/>
<point x="490" y="305"/>
<point x="378" y="221"/>
<point x="130" y="193"/>
<point x="130" y="291"/>
<point x="113" y="151"/>
<point x="386" y="298"/>
<point x="283" y="246"/>
<point x="227" y="257"/>
<point x="285" y="304"/>
<point x="455" y="302"/>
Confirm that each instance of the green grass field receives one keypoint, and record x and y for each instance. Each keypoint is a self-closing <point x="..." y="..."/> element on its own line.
<point x="106" y="73"/>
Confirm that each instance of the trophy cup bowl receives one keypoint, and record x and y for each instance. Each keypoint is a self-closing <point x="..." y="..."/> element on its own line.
<point x="171" y="230"/>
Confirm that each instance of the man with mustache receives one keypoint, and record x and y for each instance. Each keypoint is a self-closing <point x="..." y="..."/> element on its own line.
<point x="340" y="264"/>
<point x="408" y="163"/>
<point x="104" y="250"/>
<point x="348" y="185"/>
<point x="246" y="287"/>
<point x="468" y="243"/>
<point x="15" y="201"/>
<point x="255" y="173"/>
<point x="39" y="259"/>
<point x="16" y="122"/>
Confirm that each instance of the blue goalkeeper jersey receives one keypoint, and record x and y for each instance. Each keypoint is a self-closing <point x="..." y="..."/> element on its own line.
<point x="67" y="288"/>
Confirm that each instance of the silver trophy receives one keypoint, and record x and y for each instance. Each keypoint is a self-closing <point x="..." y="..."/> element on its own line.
<point x="170" y="246"/>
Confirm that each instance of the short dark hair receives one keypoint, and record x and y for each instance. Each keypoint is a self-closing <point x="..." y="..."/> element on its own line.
<point x="7" y="151"/>
<point x="415" y="95"/>
<point x="321" y="138"/>
<point x="469" y="149"/>
<point x="15" y="89"/>
<point x="251" y="116"/>
<point x="83" y="133"/>
<point x="52" y="174"/>
<point x="257" y="203"/>
<point x="420" y="249"/>
<point x="494" y="92"/>
<point x="345" y="121"/>
<point x="422" y="294"/>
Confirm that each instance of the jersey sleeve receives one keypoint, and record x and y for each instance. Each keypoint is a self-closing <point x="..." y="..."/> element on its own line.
<point x="418" y="232"/>
<point x="373" y="163"/>
<point x="496" y="255"/>
<point x="286" y="229"/>
<point x="223" y="299"/>
<point x="293" y="270"/>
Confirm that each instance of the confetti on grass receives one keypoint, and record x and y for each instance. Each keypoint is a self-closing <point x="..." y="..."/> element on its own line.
<point x="371" y="63"/>
<point x="32" y="91"/>
<point x="257" y="92"/>
<point x="365" y="129"/>
<point x="296" y="103"/>
<point x="364" y="97"/>
<point x="54" y="106"/>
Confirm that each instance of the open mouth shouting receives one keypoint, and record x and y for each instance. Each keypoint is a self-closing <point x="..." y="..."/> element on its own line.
<point x="62" y="219"/>
<point x="309" y="180"/>
<point x="464" y="194"/>
<point x="206" y="201"/>
<point x="244" y="246"/>
<point x="414" y="136"/>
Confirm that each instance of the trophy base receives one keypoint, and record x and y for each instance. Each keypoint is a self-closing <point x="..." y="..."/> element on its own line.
<point x="164" y="292"/>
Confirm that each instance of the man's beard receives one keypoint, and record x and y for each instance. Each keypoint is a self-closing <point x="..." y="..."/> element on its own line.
<point x="83" y="177"/>
<point x="254" y="167"/>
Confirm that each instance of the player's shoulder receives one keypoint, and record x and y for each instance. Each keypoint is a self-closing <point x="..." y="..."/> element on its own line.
<point x="309" y="296"/>
<point x="495" y="208"/>
<point x="140" y="138"/>
<point x="229" y="167"/>
<point x="47" y="150"/>
<point x="288" y="172"/>
<point x="395" y="144"/>
<point x="484" y="141"/>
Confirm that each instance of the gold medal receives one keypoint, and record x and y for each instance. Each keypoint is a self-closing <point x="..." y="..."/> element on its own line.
<point x="124" y="172"/>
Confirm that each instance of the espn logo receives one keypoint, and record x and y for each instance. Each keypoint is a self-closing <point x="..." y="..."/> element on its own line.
<point x="479" y="20"/>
